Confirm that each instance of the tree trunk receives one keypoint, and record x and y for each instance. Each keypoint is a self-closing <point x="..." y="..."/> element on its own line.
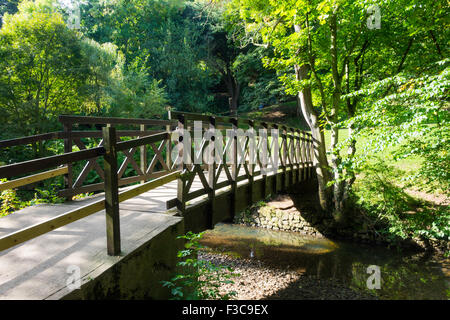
<point x="234" y="90"/>
<point x="320" y="157"/>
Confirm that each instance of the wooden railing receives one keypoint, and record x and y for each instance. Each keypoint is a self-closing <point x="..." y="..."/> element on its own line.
<point x="293" y="147"/>
<point x="107" y="150"/>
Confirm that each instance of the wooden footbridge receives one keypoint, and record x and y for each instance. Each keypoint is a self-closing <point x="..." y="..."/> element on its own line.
<point x="121" y="241"/>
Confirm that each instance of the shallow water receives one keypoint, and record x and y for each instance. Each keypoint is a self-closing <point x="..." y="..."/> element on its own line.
<point x="403" y="275"/>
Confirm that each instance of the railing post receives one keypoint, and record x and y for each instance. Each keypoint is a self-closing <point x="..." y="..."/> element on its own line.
<point x="311" y="155"/>
<point x="181" y="185"/>
<point x="212" y="174"/>
<point x="234" y="166"/>
<point x="169" y="143"/>
<point x="111" y="192"/>
<point x="303" y="153"/>
<point x="276" y="154"/>
<point x="265" y="161"/>
<point x="298" y="155"/>
<point x="68" y="177"/>
<point x="143" y="155"/>
<point x="251" y="150"/>
<point x="292" y="156"/>
<point x="284" y="143"/>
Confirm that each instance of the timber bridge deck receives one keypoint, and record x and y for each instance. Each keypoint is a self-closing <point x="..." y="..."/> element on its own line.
<point x="45" y="249"/>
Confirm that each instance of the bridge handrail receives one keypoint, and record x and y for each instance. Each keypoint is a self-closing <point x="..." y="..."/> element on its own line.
<point x="74" y="134"/>
<point x="233" y="120"/>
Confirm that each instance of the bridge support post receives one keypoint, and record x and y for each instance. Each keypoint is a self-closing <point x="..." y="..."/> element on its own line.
<point x="234" y="166"/>
<point x="181" y="185"/>
<point x="284" y="178"/>
<point x="111" y="192"/>
<point x="143" y="156"/>
<point x="302" y="156"/>
<point x="212" y="173"/>
<point x="310" y="151"/>
<point x="68" y="177"/>
<point x="264" y="162"/>
<point x="289" y="158"/>
<point x="276" y="154"/>
<point x="251" y="159"/>
<point x="297" y="156"/>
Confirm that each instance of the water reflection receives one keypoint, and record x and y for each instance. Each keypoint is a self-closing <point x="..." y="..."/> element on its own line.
<point x="403" y="275"/>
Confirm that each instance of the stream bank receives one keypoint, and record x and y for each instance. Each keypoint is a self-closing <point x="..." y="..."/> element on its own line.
<point x="276" y="264"/>
<point x="298" y="212"/>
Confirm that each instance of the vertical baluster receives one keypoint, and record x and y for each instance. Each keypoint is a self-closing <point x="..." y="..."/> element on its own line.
<point x="278" y="161"/>
<point x="311" y="156"/>
<point x="291" y="156"/>
<point x="264" y="162"/>
<point x="234" y="166"/>
<point x="111" y="192"/>
<point x="303" y="155"/>
<point x="181" y="184"/>
<point x="143" y="151"/>
<point x="284" y="145"/>
<point x="212" y="173"/>
<point x="298" y="154"/>
<point x="68" y="177"/>
<point x="169" y="143"/>
<point x="251" y="167"/>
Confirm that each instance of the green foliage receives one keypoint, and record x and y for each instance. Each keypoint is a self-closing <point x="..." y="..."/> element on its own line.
<point x="7" y="6"/>
<point x="199" y="279"/>
<point x="11" y="201"/>
<point x="413" y="121"/>
<point x="40" y="71"/>
<point x="48" y="194"/>
<point x="161" y="37"/>
<point x="8" y="201"/>
<point x="394" y="211"/>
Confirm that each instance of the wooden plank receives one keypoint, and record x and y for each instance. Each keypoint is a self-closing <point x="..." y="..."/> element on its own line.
<point x="33" y="178"/>
<point x="48" y="162"/>
<point x="36" y="230"/>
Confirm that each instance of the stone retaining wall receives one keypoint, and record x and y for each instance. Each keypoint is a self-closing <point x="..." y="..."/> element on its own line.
<point x="277" y="215"/>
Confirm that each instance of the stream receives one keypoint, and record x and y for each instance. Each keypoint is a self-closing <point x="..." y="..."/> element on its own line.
<point x="403" y="275"/>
